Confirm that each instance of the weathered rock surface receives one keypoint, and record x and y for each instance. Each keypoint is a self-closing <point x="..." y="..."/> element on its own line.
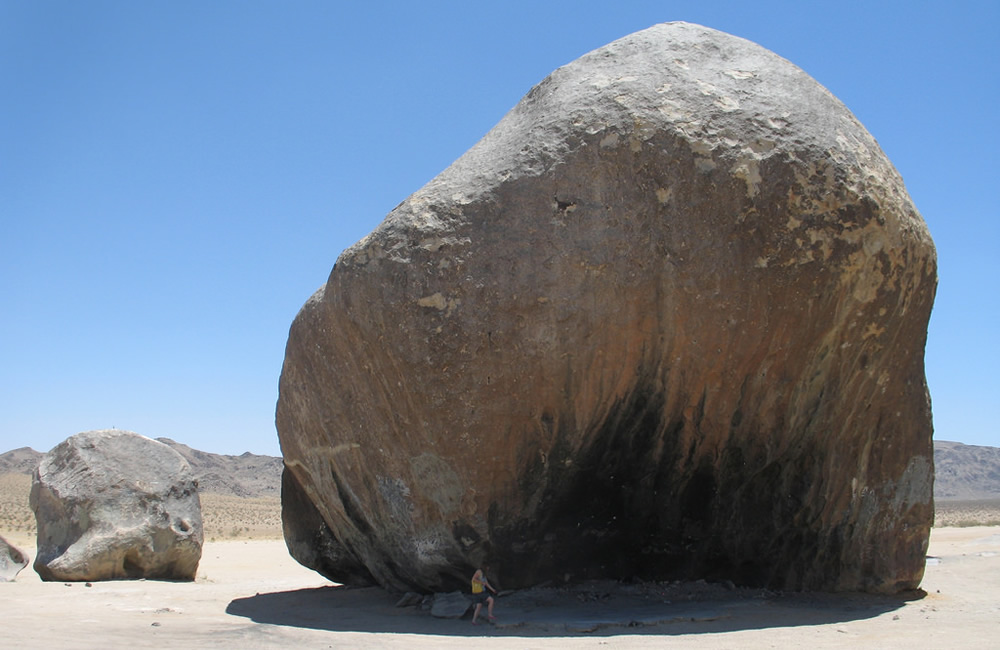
<point x="666" y="319"/>
<point x="12" y="560"/>
<point x="114" y="505"/>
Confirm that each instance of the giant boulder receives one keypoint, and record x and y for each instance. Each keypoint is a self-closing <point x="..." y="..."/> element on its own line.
<point x="115" y="505"/>
<point x="666" y="319"/>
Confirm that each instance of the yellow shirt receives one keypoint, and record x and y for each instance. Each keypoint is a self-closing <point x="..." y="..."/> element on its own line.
<point x="477" y="584"/>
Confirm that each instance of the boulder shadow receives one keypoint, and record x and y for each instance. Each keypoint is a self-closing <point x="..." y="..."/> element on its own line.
<point x="345" y="609"/>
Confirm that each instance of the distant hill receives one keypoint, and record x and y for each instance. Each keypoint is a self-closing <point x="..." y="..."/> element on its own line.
<point x="20" y="461"/>
<point x="963" y="472"/>
<point x="247" y="475"/>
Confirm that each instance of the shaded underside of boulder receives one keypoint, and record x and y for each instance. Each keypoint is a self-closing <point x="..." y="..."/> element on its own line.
<point x="116" y="505"/>
<point x="12" y="560"/>
<point x="665" y="320"/>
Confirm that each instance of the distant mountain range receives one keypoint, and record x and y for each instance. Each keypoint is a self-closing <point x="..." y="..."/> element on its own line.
<point x="247" y="475"/>
<point x="963" y="472"/>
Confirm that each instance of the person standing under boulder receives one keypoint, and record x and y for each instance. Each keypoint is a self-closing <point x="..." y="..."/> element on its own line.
<point x="479" y="595"/>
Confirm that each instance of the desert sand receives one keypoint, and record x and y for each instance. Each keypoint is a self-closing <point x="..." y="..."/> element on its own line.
<point x="250" y="593"/>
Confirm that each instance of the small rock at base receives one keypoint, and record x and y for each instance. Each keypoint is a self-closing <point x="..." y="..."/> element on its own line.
<point x="450" y="605"/>
<point x="410" y="599"/>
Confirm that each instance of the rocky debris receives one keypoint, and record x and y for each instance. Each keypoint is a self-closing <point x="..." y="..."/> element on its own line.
<point x="666" y="320"/>
<point x="115" y="505"/>
<point x="450" y="605"/>
<point x="12" y="560"/>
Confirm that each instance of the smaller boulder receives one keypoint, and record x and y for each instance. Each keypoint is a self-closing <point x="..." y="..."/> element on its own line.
<point x="113" y="505"/>
<point x="450" y="605"/>
<point x="410" y="599"/>
<point x="12" y="560"/>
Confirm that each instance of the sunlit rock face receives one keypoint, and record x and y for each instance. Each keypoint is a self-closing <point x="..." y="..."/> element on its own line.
<point x="114" y="505"/>
<point x="666" y="320"/>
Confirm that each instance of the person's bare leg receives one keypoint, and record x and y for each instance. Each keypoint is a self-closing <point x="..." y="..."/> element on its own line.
<point x="489" y="610"/>
<point x="475" y="613"/>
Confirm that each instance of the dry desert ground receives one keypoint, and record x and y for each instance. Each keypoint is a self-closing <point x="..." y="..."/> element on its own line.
<point x="250" y="594"/>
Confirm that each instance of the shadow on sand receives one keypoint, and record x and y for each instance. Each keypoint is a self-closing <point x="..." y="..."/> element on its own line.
<point x="565" y="613"/>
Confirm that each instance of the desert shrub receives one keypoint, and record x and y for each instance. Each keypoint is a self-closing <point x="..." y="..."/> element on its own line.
<point x="963" y="514"/>
<point x="226" y="516"/>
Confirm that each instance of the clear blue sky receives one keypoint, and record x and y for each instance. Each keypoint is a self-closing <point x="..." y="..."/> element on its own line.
<point x="176" y="178"/>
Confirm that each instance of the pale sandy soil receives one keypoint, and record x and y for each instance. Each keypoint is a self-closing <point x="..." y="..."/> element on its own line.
<point x="249" y="593"/>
